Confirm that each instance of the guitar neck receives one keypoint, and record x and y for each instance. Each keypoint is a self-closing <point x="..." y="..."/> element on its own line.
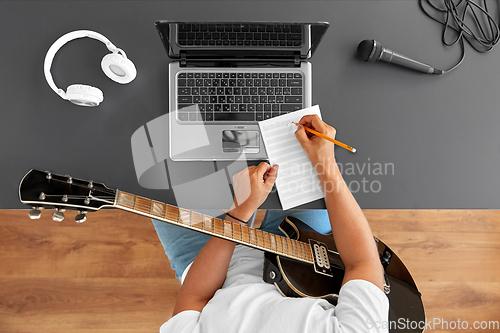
<point x="237" y="233"/>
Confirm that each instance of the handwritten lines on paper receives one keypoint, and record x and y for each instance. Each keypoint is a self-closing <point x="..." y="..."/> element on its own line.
<point x="297" y="181"/>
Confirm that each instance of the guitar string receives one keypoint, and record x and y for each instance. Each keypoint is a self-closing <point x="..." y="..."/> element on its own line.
<point x="79" y="197"/>
<point x="255" y="237"/>
<point x="104" y="189"/>
<point x="258" y="238"/>
<point x="184" y="217"/>
<point x="262" y="239"/>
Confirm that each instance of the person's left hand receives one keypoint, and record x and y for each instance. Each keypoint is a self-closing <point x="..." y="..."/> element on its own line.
<point x="252" y="186"/>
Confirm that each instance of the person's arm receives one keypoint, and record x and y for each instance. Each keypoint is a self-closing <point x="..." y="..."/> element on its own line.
<point x="350" y="229"/>
<point x="209" y="269"/>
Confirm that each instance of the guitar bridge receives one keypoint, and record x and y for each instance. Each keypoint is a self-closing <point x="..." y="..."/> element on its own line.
<point x="321" y="260"/>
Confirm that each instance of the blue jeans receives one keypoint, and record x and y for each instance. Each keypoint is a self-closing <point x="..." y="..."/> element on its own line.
<point x="183" y="245"/>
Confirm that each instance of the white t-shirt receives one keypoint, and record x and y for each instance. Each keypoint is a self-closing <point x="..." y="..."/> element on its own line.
<point x="247" y="304"/>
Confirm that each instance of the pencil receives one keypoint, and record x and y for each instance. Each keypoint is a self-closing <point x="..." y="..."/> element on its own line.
<point x="338" y="143"/>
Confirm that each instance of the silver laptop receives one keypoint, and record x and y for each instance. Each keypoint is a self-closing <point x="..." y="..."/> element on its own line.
<point x="228" y="76"/>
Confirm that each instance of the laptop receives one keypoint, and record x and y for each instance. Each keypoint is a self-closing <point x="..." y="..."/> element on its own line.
<point x="225" y="77"/>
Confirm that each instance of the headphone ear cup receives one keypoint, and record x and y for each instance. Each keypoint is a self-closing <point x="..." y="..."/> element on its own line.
<point x="84" y="95"/>
<point x="118" y="68"/>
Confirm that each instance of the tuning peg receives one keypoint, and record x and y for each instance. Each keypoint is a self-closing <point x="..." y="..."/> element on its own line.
<point x="70" y="179"/>
<point x="58" y="216"/>
<point x="82" y="217"/>
<point x="35" y="213"/>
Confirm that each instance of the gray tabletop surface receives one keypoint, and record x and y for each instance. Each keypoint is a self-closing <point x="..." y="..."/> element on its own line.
<point x="423" y="141"/>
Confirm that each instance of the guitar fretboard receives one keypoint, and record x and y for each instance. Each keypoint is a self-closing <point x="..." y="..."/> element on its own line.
<point x="216" y="227"/>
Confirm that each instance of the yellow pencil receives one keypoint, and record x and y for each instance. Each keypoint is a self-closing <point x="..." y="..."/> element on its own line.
<point x="338" y="143"/>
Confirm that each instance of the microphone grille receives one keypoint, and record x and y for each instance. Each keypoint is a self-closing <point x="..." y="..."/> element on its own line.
<point x="365" y="48"/>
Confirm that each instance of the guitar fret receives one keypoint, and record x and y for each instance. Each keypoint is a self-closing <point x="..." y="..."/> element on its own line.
<point x="218" y="227"/>
<point x="197" y="220"/>
<point x="237" y="232"/>
<point x="260" y="238"/>
<point x="184" y="217"/>
<point x="279" y="244"/>
<point x="274" y="243"/>
<point x="227" y="230"/>
<point x="270" y="241"/>
<point x="172" y="214"/>
<point x="157" y="209"/>
<point x="245" y="234"/>
<point x="301" y="250"/>
<point x="142" y="205"/>
<point x="294" y="247"/>
<point x="126" y="200"/>
<point x="252" y="237"/>
<point x="309" y="252"/>
<point x="264" y="243"/>
<point x="208" y="224"/>
<point x="267" y="240"/>
<point x="289" y="249"/>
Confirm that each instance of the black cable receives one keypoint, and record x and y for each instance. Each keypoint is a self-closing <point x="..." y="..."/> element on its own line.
<point x="469" y="21"/>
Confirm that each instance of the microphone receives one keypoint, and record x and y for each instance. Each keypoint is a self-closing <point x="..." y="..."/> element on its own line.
<point x="371" y="50"/>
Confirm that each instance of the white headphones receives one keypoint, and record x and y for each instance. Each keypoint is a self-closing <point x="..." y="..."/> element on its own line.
<point x="115" y="65"/>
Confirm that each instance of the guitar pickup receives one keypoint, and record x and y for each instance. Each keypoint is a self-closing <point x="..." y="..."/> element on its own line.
<point x="320" y="255"/>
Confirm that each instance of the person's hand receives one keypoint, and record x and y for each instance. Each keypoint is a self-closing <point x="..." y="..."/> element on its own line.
<point x="252" y="186"/>
<point x="319" y="150"/>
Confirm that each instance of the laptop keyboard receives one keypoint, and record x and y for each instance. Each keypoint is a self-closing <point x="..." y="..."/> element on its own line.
<point x="239" y="34"/>
<point x="238" y="96"/>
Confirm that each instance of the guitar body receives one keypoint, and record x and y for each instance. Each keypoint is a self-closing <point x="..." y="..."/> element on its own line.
<point x="294" y="278"/>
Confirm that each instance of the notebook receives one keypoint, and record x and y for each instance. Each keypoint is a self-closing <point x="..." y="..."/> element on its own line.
<point x="225" y="77"/>
<point x="298" y="182"/>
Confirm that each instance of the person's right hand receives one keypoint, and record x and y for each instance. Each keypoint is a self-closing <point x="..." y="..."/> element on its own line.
<point x="319" y="150"/>
<point x="252" y="186"/>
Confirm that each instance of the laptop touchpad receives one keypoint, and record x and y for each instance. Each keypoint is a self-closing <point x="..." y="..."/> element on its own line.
<point x="239" y="141"/>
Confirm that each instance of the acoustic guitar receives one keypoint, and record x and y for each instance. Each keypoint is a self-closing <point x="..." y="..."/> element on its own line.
<point x="303" y="263"/>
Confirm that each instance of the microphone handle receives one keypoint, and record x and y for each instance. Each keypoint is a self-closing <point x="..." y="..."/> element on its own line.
<point x="392" y="57"/>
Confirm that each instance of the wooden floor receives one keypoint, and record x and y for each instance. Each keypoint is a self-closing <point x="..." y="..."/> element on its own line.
<point x="110" y="274"/>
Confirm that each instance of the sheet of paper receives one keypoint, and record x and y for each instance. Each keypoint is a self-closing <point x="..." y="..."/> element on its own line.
<point x="297" y="182"/>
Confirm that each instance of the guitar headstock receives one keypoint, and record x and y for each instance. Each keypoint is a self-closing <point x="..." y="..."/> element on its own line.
<point x="42" y="189"/>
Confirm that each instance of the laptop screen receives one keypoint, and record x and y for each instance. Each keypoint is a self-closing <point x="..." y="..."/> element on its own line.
<point x="240" y="40"/>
